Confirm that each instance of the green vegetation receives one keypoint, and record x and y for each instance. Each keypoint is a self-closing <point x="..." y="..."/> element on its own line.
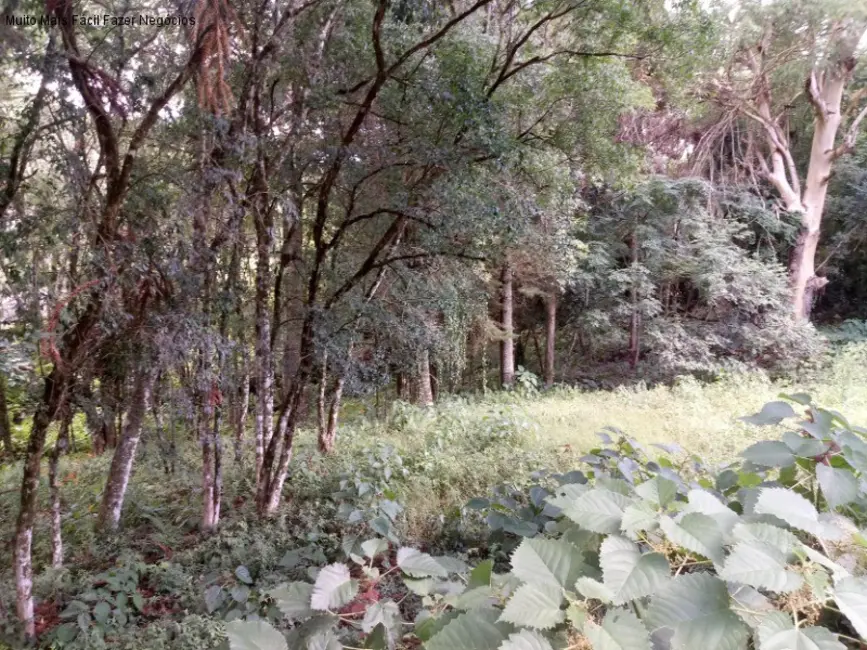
<point x="440" y="479"/>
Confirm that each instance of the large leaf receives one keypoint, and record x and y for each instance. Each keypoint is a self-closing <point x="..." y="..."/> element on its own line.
<point x="769" y="453"/>
<point x="481" y="575"/>
<point x="598" y="510"/>
<point x="324" y="640"/>
<point x="477" y="630"/>
<point x="778" y="632"/>
<point x="697" y="533"/>
<point x="638" y="517"/>
<point x="658" y="490"/>
<point x="777" y="537"/>
<point x="695" y="607"/>
<point x="707" y="504"/>
<point x="526" y="640"/>
<point x="851" y="596"/>
<point x="547" y="562"/>
<point x="791" y="507"/>
<point x="333" y="589"/>
<point x="419" y="565"/>
<point x="383" y="612"/>
<point x="628" y="572"/>
<point x="839" y="486"/>
<point x="254" y="635"/>
<point x="293" y="599"/>
<point x="620" y="630"/>
<point x="771" y="413"/>
<point x="752" y="606"/>
<point x="761" y="566"/>
<point x="535" y="606"/>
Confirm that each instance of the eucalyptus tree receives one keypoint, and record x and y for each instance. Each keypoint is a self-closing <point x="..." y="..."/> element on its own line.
<point x="785" y="58"/>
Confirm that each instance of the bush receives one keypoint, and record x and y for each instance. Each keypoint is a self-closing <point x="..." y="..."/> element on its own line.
<point x="635" y="551"/>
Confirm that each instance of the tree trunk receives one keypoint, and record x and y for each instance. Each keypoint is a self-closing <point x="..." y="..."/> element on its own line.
<point x="550" y="338"/>
<point x="212" y="480"/>
<point x="5" y="424"/>
<point x="56" y="386"/>
<point x="424" y="395"/>
<point x="328" y="425"/>
<point x="124" y="455"/>
<point x="635" y="321"/>
<point x="241" y="416"/>
<point x="263" y="352"/>
<point x="507" y="345"/>
<point x="54" y="490"/>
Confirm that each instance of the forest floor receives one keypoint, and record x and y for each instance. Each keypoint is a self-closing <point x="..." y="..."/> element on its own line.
<point x="437" y="460"/>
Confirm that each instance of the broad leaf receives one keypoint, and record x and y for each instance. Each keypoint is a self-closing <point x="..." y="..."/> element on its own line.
<point x="383" y="612"/>
<point x="333" y="589"/>
<point x="779" y="632"/>
<point x="695" y="607"/>
<point x="771" y="413"/>
<point x="419" y="565"/>
<point x="697" y="533"/>
<point x="791" y="507"/>
<point x="839" y="486"/>
<point x="777" y="537"/>
<point x="598" y="510"/>
<point x="639" y="517"/>
<point x="535" y="606"/>
<point x="628" y="572"/>
<point x="707" y="504"/>
<point x="374" y="547"/>
<point x="547" y="562"/>
<point x="761" y="566"/>
<point x="769" y="453"/>
<point x="481" y="575"/>
<point x="657" y="490"/>
<point x="851" y="597"/>
<point x="620" y="630"/>
<point x="477" y="630"/>
<point x="254" y="635"/>
<point x="293" y="600"/>
<point x="526" y="640"/>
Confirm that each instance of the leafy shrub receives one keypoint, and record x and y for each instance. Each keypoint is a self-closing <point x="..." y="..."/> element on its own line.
<point x="634" y="553"/>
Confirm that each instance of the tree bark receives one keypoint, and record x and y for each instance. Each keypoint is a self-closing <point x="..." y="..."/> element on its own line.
<point x="54" y="490"/>
<point x="56" y="388"/>
<point x="635" y="321"/>
<point x="507" y="345"/>
<point x="263" y="351"/>
<point x="328" y="425"/>
<point x="5" y="424"/>
<point x="424" y="394"/>
<point x="550" y="338"/>
<point x="124" y="455"/>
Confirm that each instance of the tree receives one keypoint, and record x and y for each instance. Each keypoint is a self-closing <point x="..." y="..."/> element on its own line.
<point x="785" y="53"/>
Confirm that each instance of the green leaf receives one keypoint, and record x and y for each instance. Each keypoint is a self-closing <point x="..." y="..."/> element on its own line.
<point x="778" y="632"/>
<point x="598" y="510"/>
<point x="420" y="587"/>
<point x="481" y="575"/>
<point x="639" y="517"/>
<point x="535" y="606"/>
<point x="293" y="600"/>
<point x="696" y="608"/>
<point x="383" y="612"/>
<point x="761" y="566"/>
<point x="243" y="574"/>
<point x="628" y="572"/>
<point x="620" y="630"/>
<point x="777" y="537"/>
<point x="478" y="504"/>
<point x="374" y="547"/>
<point x="473" y="598"/>
<point x="791" y="507"/>
<point x="477" y="630"/>
<point x="707" y="504"/>
<point x="419" y="565"/>
<point x="324" y="640"/>
<point x="333" y="588"/>
<point x="590" y="588"/>
<point x="771" y="413"/>
<point x="658" y="490"/>
<point x="850" y="595"/>
<point x="752" y="606"/>
<point x="254" y="635"/>
<point x="101" y="612"/>
<point x="839" y="486"/>
<point x="697" y="533"/>
<point x="547" y="562"/>
<point x="802" y="638"/>
<point x="526" y="640"/>
<point x="376" y="640"/>
<point x="769" y="453"/>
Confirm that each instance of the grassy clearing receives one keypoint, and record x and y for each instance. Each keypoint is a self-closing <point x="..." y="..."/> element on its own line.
<point x="453" y="452"/>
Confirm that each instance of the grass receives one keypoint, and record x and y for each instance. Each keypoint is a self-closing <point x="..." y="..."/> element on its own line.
<point x="453" y="452"/>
